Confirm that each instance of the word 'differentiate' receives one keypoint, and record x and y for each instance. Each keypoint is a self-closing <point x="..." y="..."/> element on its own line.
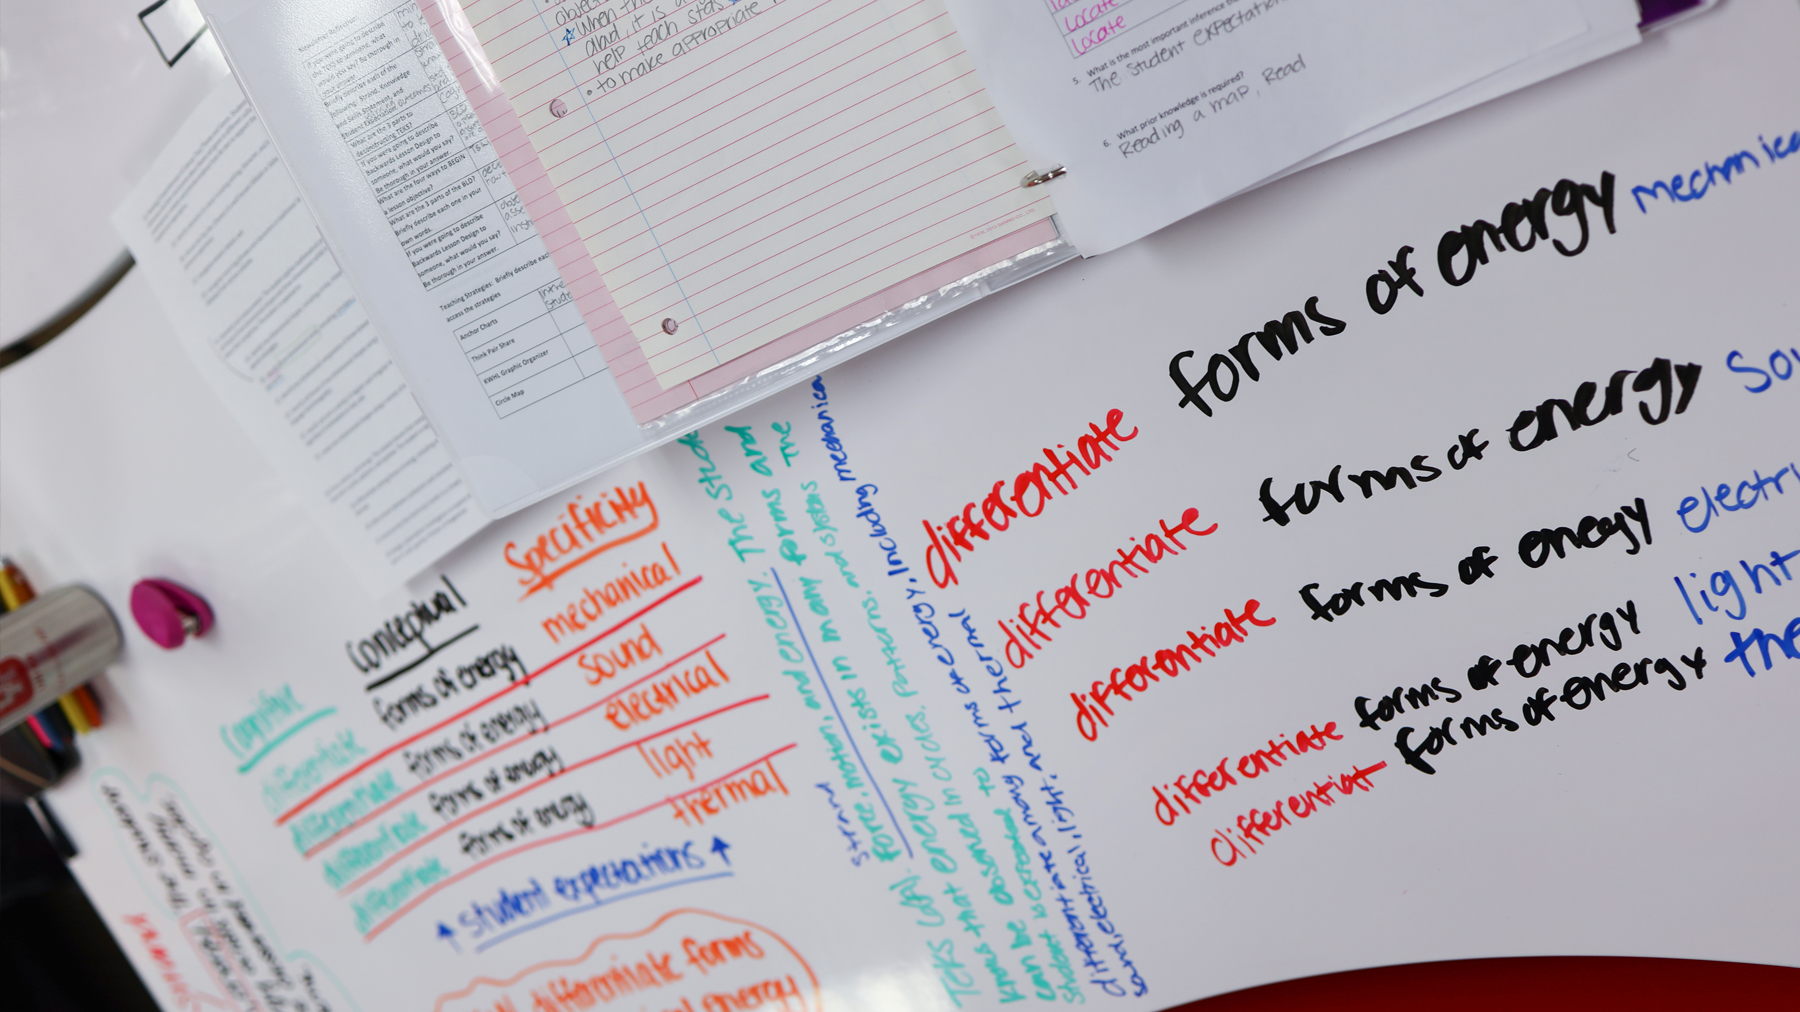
<point x="1032" y="490"/>
<point x="1027" y="636"/>
<point x="1256" y="826"/>
<point x="1170" y="662"/>
<point x="1189" y="790"/>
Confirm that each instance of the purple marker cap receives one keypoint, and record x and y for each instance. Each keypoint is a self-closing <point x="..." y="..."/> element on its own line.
<point x="169" y="613"/>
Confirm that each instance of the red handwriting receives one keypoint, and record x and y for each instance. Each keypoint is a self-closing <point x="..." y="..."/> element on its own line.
<point x="586" y="530"/>
<point x="1032" y="490"/>
<point x="1254" y="826"/>
<point x="696" y="806"/>
<point x="1169" y="663"/>
<point x="597" y="602"/>
<point x="1026" y="636"/>
<point x="603" y="663"/>
<point x="719" y="952"/>
<point x="652" y="700"/>
<point x="1204" y="783"/>
<point x="184" y="996"/>
<point x="763" y="992"/>
<point x="680" y="755"/>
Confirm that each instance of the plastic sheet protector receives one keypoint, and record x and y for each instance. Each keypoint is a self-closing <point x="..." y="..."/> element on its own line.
<point x="738" y="171"/>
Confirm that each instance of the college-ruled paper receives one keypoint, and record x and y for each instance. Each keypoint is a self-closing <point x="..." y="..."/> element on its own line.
<point x="739" y="170"/>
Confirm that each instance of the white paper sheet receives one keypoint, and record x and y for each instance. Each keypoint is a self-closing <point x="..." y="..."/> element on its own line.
<point x="1159" y="109"/>
<point x="407" y="189"/>
<point x="268" y="318"/>
<point x="1612" y="27"/>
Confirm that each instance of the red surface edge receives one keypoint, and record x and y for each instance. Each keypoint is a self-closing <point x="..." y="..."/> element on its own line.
<point x="1537" y="983"/>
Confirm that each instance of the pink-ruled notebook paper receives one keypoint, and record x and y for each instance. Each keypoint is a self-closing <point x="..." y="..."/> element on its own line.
<point x="763" y="187"/>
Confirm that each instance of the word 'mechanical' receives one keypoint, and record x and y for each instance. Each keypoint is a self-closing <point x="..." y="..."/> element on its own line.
<point x="1699" y="182"/>
<point x="1032" y="490"/>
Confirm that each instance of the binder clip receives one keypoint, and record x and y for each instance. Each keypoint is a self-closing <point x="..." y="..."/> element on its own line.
<point x="169" y="613"/>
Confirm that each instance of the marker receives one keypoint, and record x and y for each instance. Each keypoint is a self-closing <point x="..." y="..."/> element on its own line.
<point x="72" y="710"/>
<point x="9" y="590"/>
<point x="19" y="582"/>
<point x="58" y="725"/>
<point x="41" y="732"/>
<point x="89" y="703"/>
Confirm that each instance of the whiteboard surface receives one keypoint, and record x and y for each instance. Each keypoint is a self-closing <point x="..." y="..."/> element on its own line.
<point x="1638" y="825"/>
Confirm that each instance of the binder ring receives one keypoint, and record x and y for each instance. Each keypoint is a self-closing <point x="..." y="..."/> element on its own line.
<point x="1036" y="178"/>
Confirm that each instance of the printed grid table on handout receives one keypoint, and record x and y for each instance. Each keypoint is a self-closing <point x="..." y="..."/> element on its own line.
<point x="393" y="99"/>
<point x="739" y="170"/>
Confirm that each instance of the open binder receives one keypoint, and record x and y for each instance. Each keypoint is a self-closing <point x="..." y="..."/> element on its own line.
<point x="584" y="228"/>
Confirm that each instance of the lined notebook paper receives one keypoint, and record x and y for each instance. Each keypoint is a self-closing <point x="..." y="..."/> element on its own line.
<point x="738" y="171"/>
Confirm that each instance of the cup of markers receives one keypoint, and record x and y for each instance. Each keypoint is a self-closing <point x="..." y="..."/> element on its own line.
<point x="50" y="646"/>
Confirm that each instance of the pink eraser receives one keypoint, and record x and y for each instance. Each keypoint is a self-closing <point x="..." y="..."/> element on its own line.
<point x="169" y="613"/>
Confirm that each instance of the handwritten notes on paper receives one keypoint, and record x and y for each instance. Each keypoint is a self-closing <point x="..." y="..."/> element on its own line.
<point x="740" y="169"/>
<point x="1159" y="109"/>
